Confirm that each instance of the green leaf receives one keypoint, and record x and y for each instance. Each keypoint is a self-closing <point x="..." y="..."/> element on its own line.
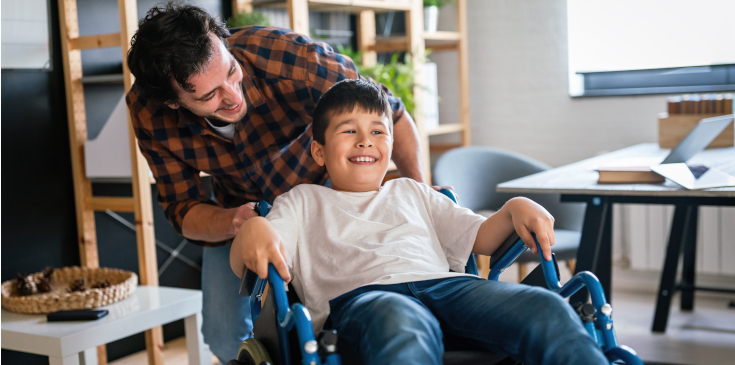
<point x="243" y="19"/>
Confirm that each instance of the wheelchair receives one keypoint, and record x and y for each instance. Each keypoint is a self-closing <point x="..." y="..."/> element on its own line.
<point x="275" y="317"/>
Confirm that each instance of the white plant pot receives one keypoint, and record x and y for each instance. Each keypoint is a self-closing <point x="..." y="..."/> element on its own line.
<point x="431" y="96"/>
<point x="431" y="18"/>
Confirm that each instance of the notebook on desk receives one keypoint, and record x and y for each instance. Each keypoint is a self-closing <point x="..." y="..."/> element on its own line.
<point x="638" y="170"/>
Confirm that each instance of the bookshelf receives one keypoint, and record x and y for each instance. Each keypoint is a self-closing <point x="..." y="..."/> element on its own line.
<point x="415" y="42"/>
<point x="85" y="202"/>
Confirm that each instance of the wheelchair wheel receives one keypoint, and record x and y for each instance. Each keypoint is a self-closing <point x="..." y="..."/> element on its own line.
<point x="252" y="352"/>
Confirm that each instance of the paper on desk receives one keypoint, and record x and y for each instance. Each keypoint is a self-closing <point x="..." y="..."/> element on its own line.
<point x="680" y="174"/>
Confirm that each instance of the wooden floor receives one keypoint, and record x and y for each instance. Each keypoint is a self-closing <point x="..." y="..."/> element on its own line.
<point x="174" y="353"/>
<point x="703" y="337"/>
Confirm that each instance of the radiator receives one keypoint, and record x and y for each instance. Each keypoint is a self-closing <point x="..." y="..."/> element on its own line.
<point x="641" y="234"/>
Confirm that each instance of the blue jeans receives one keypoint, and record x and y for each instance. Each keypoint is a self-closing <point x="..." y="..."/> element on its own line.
<point x="406" y="323"/>
<point x="226" y="318"/>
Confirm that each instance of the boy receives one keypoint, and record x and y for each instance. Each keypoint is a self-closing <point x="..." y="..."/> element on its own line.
<point x="376" y="260"/>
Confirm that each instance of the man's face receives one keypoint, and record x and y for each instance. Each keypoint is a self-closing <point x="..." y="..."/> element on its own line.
<point x="357" y="149"/>
<point x="218" y="91"/>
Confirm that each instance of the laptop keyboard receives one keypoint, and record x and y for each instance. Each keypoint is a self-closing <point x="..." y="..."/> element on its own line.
<point x="698" y="170"/>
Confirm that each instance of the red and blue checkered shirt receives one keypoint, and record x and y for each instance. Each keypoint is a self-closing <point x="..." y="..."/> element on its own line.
<point x="284" y="75"/>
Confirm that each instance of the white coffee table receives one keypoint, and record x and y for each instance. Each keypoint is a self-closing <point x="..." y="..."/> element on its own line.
<point x="74" y="343"/>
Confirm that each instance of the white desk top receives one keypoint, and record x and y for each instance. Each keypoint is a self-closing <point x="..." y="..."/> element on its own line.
<point x="581" y="177"/>
<point x="148" y="307"/>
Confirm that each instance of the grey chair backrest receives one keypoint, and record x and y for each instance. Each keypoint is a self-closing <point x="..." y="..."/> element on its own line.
<point x="475" y="172"/>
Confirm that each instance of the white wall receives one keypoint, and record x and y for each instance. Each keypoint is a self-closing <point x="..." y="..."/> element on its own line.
<point x="518" y="87"/>
<point x="519" y="101"/>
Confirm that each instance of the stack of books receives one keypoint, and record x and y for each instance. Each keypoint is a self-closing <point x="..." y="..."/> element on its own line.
<point x="718" y="104"/>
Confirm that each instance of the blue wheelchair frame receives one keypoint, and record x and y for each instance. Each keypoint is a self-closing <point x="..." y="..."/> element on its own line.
<point x="296" y="315"/>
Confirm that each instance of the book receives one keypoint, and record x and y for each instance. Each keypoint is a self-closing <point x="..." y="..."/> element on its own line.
<point x="629" y="175"/>
<point x="674" y="105"/>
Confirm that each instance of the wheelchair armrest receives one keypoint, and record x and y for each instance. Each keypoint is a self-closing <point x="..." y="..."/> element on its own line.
<point x="504" y="248"/>
<point x="504" y="256"/>
<point x="247" y="282"/>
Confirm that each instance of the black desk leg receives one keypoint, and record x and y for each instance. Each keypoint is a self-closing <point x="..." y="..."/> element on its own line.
<point x="690" y="258"/>
<point x="594" y="253"/>
<point x="679" y="231"/>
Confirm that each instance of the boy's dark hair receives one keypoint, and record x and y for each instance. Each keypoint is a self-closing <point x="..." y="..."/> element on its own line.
<point x="172" y="40"/>
<point x="344" y="97"/>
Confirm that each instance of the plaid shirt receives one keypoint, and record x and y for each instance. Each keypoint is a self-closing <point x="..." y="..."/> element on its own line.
<point x="284" y="75"/>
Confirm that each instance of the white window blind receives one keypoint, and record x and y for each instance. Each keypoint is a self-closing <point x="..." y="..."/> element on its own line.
<point x="25" y="34"/>
<point x="616" y="35"/>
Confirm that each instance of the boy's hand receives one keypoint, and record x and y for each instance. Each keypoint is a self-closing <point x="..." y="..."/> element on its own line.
<point x="437" y="188"/>
<point x="529" y="217"/>
<point x="256" y="245"/>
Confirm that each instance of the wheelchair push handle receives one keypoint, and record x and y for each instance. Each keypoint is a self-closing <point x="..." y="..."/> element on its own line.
<point x="248" y="278"/>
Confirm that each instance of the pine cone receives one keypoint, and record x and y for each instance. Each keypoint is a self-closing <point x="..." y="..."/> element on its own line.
<point x="24" y="285"/>
<point x="78" y="285"/>
<point x="102" y="285"/>
<point x="44" y="285"/>
<point x="47" y="272"/>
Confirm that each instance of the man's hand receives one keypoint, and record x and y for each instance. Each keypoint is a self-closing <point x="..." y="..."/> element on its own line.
<point x="529" y="217"/>
<point x="243" y="213"/>
<point x="256" y="245"/>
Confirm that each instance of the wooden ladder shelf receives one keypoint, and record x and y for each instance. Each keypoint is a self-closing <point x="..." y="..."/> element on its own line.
<point x="86" y="204"/>
<point x="415" y="42"/>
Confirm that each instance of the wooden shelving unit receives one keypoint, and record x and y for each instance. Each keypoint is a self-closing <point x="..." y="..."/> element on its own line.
<point x="415" y="42"/>
<point x="86" y="204"/>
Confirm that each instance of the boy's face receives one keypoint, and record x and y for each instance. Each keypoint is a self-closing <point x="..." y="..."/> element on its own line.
<point x="357" y="150"/>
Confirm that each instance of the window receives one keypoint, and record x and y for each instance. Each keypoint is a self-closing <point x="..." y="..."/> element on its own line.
<point x="631" y="47"/>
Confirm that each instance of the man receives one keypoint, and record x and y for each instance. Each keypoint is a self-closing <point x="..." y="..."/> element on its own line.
<point x="238" y="107"/>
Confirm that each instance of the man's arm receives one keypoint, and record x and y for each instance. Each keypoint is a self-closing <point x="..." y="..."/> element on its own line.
<point x="520" y="215"/>
<point x="204" y="222"/>
<point x="407" y="149"/>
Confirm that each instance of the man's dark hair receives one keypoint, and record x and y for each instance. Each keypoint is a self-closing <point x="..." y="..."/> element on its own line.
<point x="346" y="96"/>
<point x="172" y="40"/>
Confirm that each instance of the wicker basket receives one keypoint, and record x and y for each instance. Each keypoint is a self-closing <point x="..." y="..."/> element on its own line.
<point x="123" y="283"/>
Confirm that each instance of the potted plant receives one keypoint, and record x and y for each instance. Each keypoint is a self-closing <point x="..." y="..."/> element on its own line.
<point x="431" y="14"/>
<point x="244" y="18"/>
<point x="399" y="78"/>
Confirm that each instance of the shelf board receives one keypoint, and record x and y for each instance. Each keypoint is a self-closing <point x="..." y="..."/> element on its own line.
<point x="442" y="36"/>
<point x="438" y="41"/>
<point x="445" y="129"/>
<point x="441" y="148"/>
<point x="352" y="6"/>
<point x="102" y="79"/>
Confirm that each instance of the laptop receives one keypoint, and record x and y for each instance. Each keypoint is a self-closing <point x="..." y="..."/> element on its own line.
<point x="674" y="166"/>
<point x="639" y="169"/>
<point x="700" y="137"/>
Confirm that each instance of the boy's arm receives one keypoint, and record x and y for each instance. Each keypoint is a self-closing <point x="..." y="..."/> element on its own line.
<point x="523" y="216"/>
<point x="256" y="245"/>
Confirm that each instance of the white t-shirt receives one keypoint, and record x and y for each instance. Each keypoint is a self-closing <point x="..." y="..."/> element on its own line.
<point x="227" y="132"/>
<point x="338" y="241"/>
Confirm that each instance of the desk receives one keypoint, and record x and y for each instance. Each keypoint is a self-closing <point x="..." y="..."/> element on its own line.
<point x="75" y="343"/>
<point x="577" y="182"/>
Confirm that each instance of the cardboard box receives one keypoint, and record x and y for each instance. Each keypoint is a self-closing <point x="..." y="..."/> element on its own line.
<point x="673" y="128"/>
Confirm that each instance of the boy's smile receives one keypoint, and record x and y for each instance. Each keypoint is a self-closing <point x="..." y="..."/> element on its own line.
<point x="357" y="150"/>
<point x="363" y="160"/>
